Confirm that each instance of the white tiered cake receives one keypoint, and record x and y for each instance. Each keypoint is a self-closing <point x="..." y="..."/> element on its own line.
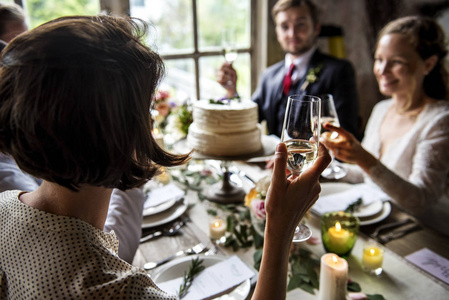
<point x="229" y="129"/>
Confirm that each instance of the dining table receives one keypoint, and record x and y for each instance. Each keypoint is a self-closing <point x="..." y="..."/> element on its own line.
<point x="400" y="278"/>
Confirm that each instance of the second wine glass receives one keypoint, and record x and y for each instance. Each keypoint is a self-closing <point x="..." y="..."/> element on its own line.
<point x="300" y="133"/>
<point x="329" y="115"/>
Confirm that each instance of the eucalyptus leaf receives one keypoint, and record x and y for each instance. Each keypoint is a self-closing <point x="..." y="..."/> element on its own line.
<point x="375" y="297"/>
<point x="307" y="287"/>
<point x="294" y="282"/>
<point x="353" y="287"/>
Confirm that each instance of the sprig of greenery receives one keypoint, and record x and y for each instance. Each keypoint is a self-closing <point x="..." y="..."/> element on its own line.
<point x="195" y="268"/>
<point x="354" y="206"/>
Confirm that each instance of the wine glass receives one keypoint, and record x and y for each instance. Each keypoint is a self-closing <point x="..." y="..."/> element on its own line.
<point x="229" y="44"/>
<point x="329" y="115"/>
<point x="300" y="133"/>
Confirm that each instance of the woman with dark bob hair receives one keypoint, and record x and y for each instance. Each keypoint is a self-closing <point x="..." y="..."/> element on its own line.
<point x="75" y="95"/>
<point x="405" y="148"/>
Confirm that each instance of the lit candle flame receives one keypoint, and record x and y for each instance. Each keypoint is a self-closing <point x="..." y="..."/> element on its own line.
<point x="337" y="226"/>
<point x="372" y="251"/>
<point x="217" y="224"/>
<point x="156" y="131"/>
<point x="334" y="259"/>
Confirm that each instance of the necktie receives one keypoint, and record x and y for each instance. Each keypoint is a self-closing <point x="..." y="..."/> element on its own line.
<point x="288" y="79"/>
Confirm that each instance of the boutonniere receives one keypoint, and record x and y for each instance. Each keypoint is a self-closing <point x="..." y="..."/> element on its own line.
<point x="311" y="77"/>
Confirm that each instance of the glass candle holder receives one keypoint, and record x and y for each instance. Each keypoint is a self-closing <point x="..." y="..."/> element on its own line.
<point x="339" y="232"/>
<point x="217" y="229"/>
<point x="372" y="258"/>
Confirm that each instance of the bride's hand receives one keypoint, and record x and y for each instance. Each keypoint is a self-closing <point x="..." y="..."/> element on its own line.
<point x="347" y="148"/>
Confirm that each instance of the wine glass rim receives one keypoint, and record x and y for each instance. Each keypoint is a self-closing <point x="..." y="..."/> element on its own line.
<point x="306" y="98"/>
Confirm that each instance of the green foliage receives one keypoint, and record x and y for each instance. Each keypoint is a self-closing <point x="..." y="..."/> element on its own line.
<point x="353" y="287"/>
<point x="353" y="206"/>
<point x="303" y="269"/>
<point x="195" y="267"/>
<point x="41" y="11"/>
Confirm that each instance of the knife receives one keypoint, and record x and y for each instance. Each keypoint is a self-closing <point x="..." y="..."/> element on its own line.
<point x="398" y="233"/>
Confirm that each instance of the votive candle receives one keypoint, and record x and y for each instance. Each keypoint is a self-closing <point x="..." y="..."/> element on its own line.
<point x="338" y="238"/>
<point x="333" y="277"/>
<point x="372" y="258"/>
<point x="217" y="228"/>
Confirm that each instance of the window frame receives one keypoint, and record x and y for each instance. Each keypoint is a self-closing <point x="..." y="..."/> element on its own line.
<point x="122" y="7"/>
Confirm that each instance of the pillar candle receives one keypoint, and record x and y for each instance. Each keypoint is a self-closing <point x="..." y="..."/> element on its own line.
<point x="333" y="277"/>
<point x="338" y="239"/>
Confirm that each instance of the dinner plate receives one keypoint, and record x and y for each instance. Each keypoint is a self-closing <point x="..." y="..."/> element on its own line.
<point x="177" y="267"/>
<point x="385" y="212"/>
<point x="158" y="208"/>
<point x="165" y="216"/>
<point x="364" y="211"/>
<point x="367" y="214"/>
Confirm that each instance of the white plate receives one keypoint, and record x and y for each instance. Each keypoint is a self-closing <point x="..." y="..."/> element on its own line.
<point x="176" y="268"/>
<point x="379" y="217"/>
<point x="369" y="210"/>
<point x="165" y="216"/>
<point x="159" y="208"/>
<point x="369" y="214"/>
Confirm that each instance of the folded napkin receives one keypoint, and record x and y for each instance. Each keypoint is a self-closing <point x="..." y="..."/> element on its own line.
<point x="341" y="200"/>
<point x="213" y="280"/>
<point x="163" y="194"/>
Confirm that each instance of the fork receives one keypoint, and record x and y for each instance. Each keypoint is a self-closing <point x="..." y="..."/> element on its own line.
<point x="197" y="249"/>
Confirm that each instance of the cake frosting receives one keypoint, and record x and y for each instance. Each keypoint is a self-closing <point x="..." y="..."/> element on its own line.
<point x="229" y="129"/>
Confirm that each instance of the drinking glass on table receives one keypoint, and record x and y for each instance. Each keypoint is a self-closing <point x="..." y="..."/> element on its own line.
<point x="329" y="115"/>
<point x="300" y="133"/>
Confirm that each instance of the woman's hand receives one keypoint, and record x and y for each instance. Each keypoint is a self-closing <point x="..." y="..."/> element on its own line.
<point x="347" y="148"/>
<point x="289" y="199"/>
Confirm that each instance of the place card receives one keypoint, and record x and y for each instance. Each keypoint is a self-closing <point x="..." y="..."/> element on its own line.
<point x="213" y="280"/>
<point x="163" y="194"/>
<point x="340" y="201"/>
<point x="431" y="262"/>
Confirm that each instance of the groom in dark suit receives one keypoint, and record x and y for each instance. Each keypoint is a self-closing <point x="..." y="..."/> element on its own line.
<point x="304" y="70"/>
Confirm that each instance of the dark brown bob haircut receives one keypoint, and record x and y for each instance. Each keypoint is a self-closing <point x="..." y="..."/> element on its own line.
<point x="75" y="95"/>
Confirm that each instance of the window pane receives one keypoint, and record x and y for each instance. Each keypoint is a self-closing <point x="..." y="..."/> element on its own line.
<point x="173" y="22"/>
<point x="41" y="11"/>
<point x="180" y="79"/>
<point x="210" y="88"/>
<point x="217" y="17"/>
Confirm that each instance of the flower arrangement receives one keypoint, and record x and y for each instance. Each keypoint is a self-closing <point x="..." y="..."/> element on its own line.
<point x="255" y="200"/>
<point x="171" y="116"/>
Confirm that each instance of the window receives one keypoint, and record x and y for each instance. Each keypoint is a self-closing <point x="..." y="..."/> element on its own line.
<point x="41" y="11"/>
<point x="192" y="36"/>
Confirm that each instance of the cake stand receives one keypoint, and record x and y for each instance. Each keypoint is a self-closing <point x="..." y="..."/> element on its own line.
<point x="225" y="192"/>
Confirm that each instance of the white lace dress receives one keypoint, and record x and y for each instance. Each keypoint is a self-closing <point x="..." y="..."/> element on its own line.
<point x="414" y="171"/>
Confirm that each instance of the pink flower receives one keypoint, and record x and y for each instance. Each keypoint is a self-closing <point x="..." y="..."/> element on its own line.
<point x="258" y="207"/>
<point x="162" y="95"/>
<point x="163" y="109"/>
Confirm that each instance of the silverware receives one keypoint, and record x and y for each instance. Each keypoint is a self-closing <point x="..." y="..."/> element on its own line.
<point x="172" y="230"/>
<point x="397" y="234"/>
<point x="197" y="249"/>
<point x="212" y="251"/>
<point x="390" y="225"/>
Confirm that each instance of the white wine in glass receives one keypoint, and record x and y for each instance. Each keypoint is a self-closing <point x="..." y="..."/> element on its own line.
<point x="300" y="133"/>
<point x="329" y="115"/>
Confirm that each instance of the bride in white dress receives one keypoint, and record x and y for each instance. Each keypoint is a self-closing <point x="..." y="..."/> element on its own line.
<point x="406" y="142"/>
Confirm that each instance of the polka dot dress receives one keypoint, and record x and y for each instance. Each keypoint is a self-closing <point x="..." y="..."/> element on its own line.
<point x="46" y="256"/>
